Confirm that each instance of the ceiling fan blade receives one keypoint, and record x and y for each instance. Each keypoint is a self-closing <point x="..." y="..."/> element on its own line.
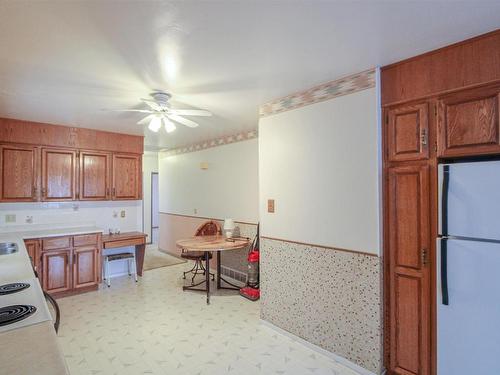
<point x="183" y="121"/>
<point x="153" y="105"/>
<point x="146" y="119"/>
<point x="132" y="110"/>
<point x="190" y="112"/>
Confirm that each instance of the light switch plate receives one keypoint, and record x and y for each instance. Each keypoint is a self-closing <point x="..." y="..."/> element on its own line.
<point x="10" y="218"/>
<point x="270" y="205"/>
<point x="122" y="213"/>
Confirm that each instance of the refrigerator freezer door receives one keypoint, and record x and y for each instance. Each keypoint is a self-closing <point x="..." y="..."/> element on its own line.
<point x="468" y="332"/>
<point x="473" y="200"/>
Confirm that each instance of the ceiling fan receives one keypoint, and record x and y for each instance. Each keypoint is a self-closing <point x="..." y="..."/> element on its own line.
<point x="160" y="113"/>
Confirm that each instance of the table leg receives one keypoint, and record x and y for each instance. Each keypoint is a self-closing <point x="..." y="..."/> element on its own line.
<point x="218" y="269"/>
<point x="207" y="275"/>
<point x="139" y="257"/>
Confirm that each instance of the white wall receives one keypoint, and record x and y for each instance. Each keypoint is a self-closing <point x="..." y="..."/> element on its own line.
<point x="320" y="165"/>
<point x="149" y="165"/>
<point x="228" y="188"/>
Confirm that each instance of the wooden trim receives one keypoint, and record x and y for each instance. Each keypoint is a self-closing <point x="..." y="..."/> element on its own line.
<point x="444" y="48"/>
<point x="205" y="218"/>
<point x="50" y="135"/>
<point x="431" y="96"/>
<point x="322" y="246"/>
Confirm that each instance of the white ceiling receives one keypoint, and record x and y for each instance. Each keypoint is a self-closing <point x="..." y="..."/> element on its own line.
<point x="64" y="62"/>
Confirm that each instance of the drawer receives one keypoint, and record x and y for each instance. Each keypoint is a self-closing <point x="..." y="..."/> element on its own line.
<point x="56" y="243"/>
<point x="86" y="239"/>
<point x="124" y="242"/>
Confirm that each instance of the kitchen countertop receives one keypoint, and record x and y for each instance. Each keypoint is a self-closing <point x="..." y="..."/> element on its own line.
<point x="31" y="349"/>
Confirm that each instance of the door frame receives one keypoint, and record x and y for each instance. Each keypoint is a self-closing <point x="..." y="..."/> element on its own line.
<point x="151" y="206"/>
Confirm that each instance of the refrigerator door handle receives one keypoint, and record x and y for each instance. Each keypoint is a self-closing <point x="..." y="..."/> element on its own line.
<point x="444" y="271"/>
<point x="444" y="200"/>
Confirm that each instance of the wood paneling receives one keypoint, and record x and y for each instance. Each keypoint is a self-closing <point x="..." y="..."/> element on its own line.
<point x="469" y="122"/>
<point x="85" y="267"/>
<point x="58" y="174"/>
<point x="127" y="173"/>
<point x="472" y="62"/>
<point x="35" y="133"/>
<point x="407" y="132"/>
<point x="18" y="173"/>
<point x="56" y="271"/>
<point x="95" y="175"/>
<point x="409" y="294"/>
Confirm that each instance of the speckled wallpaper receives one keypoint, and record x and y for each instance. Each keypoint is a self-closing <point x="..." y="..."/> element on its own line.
<point x="328" y="297"/>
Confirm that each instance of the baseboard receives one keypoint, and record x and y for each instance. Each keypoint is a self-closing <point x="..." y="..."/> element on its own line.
<point x="360" y="370"/>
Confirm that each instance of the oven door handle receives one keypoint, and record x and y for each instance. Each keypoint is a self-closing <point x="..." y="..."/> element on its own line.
<point x="54" y="304"/>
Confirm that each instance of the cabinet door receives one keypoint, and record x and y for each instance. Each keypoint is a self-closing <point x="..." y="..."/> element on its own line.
<point x="58" y="174"/>
<point x="409" y="291"/>
<point x="33" y="249"/>
<point x="85" y="267"/>
<point x="94" y="175"/>
<point x="18" y="173"/>
<point x="56" y="270"/>
<point x="407" y="132"/>
<point x="126" y="177"/>
<point x="468" y="123"/>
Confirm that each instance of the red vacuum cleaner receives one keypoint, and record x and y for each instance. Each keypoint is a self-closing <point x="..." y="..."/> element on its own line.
<point x="251" y="290"/>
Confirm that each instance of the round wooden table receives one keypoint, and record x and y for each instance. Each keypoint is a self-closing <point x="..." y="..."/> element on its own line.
<point x="207" y="244"/>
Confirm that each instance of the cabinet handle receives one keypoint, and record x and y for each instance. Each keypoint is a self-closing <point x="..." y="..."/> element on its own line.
<point x="424" y="257"/>
<point x="423" y="137"/>
<point x="114" y="192"/>
<point x="44" y="192"/>
<point x="107" y="192"/>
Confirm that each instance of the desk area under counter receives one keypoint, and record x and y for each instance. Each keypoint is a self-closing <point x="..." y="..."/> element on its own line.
<point x="72" y="263"/>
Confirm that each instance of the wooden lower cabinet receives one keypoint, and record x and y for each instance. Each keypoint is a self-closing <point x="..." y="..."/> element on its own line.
<point x="70" y="269"/>
<point x="409" y="318"/>
<point x="33" y="249"/>
<point x="56" y="265"/>
<point x="85" y="267"/>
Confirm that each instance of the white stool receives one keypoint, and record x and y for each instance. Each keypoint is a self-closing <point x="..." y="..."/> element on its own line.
<point x="129" y="257"/>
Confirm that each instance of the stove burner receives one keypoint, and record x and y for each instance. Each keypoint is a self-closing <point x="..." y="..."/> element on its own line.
<point x="15" y="313"/>
<point x="12" y="288"/>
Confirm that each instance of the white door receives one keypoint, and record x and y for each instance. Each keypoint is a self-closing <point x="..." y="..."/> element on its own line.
<point x="155" y="208"/>
<point x="469" y="326"/>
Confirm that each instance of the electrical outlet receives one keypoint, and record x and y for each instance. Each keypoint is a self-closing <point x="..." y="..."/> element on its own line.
<point x="270" y="205"/>
<point x="122" y="213"/>
<point x="29" y="219"/>
<point x="195" y="211"/>
<point x="10" y="218"/>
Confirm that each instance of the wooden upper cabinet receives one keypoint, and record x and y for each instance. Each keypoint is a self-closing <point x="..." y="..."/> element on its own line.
<point x="409" y="292"/>
<point x="468" y="123"/>
<point x="59" y="167"/>
<point x="95" y="175"/>
<point x="18" y="179"/>
<point x="126" y="177"/>
<point x="407" y="132"/>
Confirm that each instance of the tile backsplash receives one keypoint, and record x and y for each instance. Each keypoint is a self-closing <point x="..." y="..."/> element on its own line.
<point x="105" y="215"/>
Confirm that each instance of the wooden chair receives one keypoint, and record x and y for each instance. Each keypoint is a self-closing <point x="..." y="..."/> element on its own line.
<point x="209" y="228"/>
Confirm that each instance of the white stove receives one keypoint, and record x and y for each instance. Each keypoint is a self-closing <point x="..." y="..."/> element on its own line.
<point x="22" y="304"/>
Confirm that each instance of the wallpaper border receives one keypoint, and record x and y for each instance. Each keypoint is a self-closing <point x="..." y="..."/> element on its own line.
<point x="325" y="91"/>
<point x="219" y="141"/>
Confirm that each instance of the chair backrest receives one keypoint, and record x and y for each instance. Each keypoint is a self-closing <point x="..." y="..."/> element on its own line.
<point x="209" y="228"/>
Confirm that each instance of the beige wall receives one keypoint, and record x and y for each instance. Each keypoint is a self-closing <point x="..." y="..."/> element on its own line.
<point x="228" y="188"/>
<point x="320" y="265"/>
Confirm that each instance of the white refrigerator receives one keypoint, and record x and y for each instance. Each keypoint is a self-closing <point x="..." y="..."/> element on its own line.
<point x="468" y="269"/>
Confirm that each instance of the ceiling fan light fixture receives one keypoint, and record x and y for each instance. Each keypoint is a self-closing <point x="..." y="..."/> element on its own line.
<point x="169" y="125"/>
<point x="155" y="124"/>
